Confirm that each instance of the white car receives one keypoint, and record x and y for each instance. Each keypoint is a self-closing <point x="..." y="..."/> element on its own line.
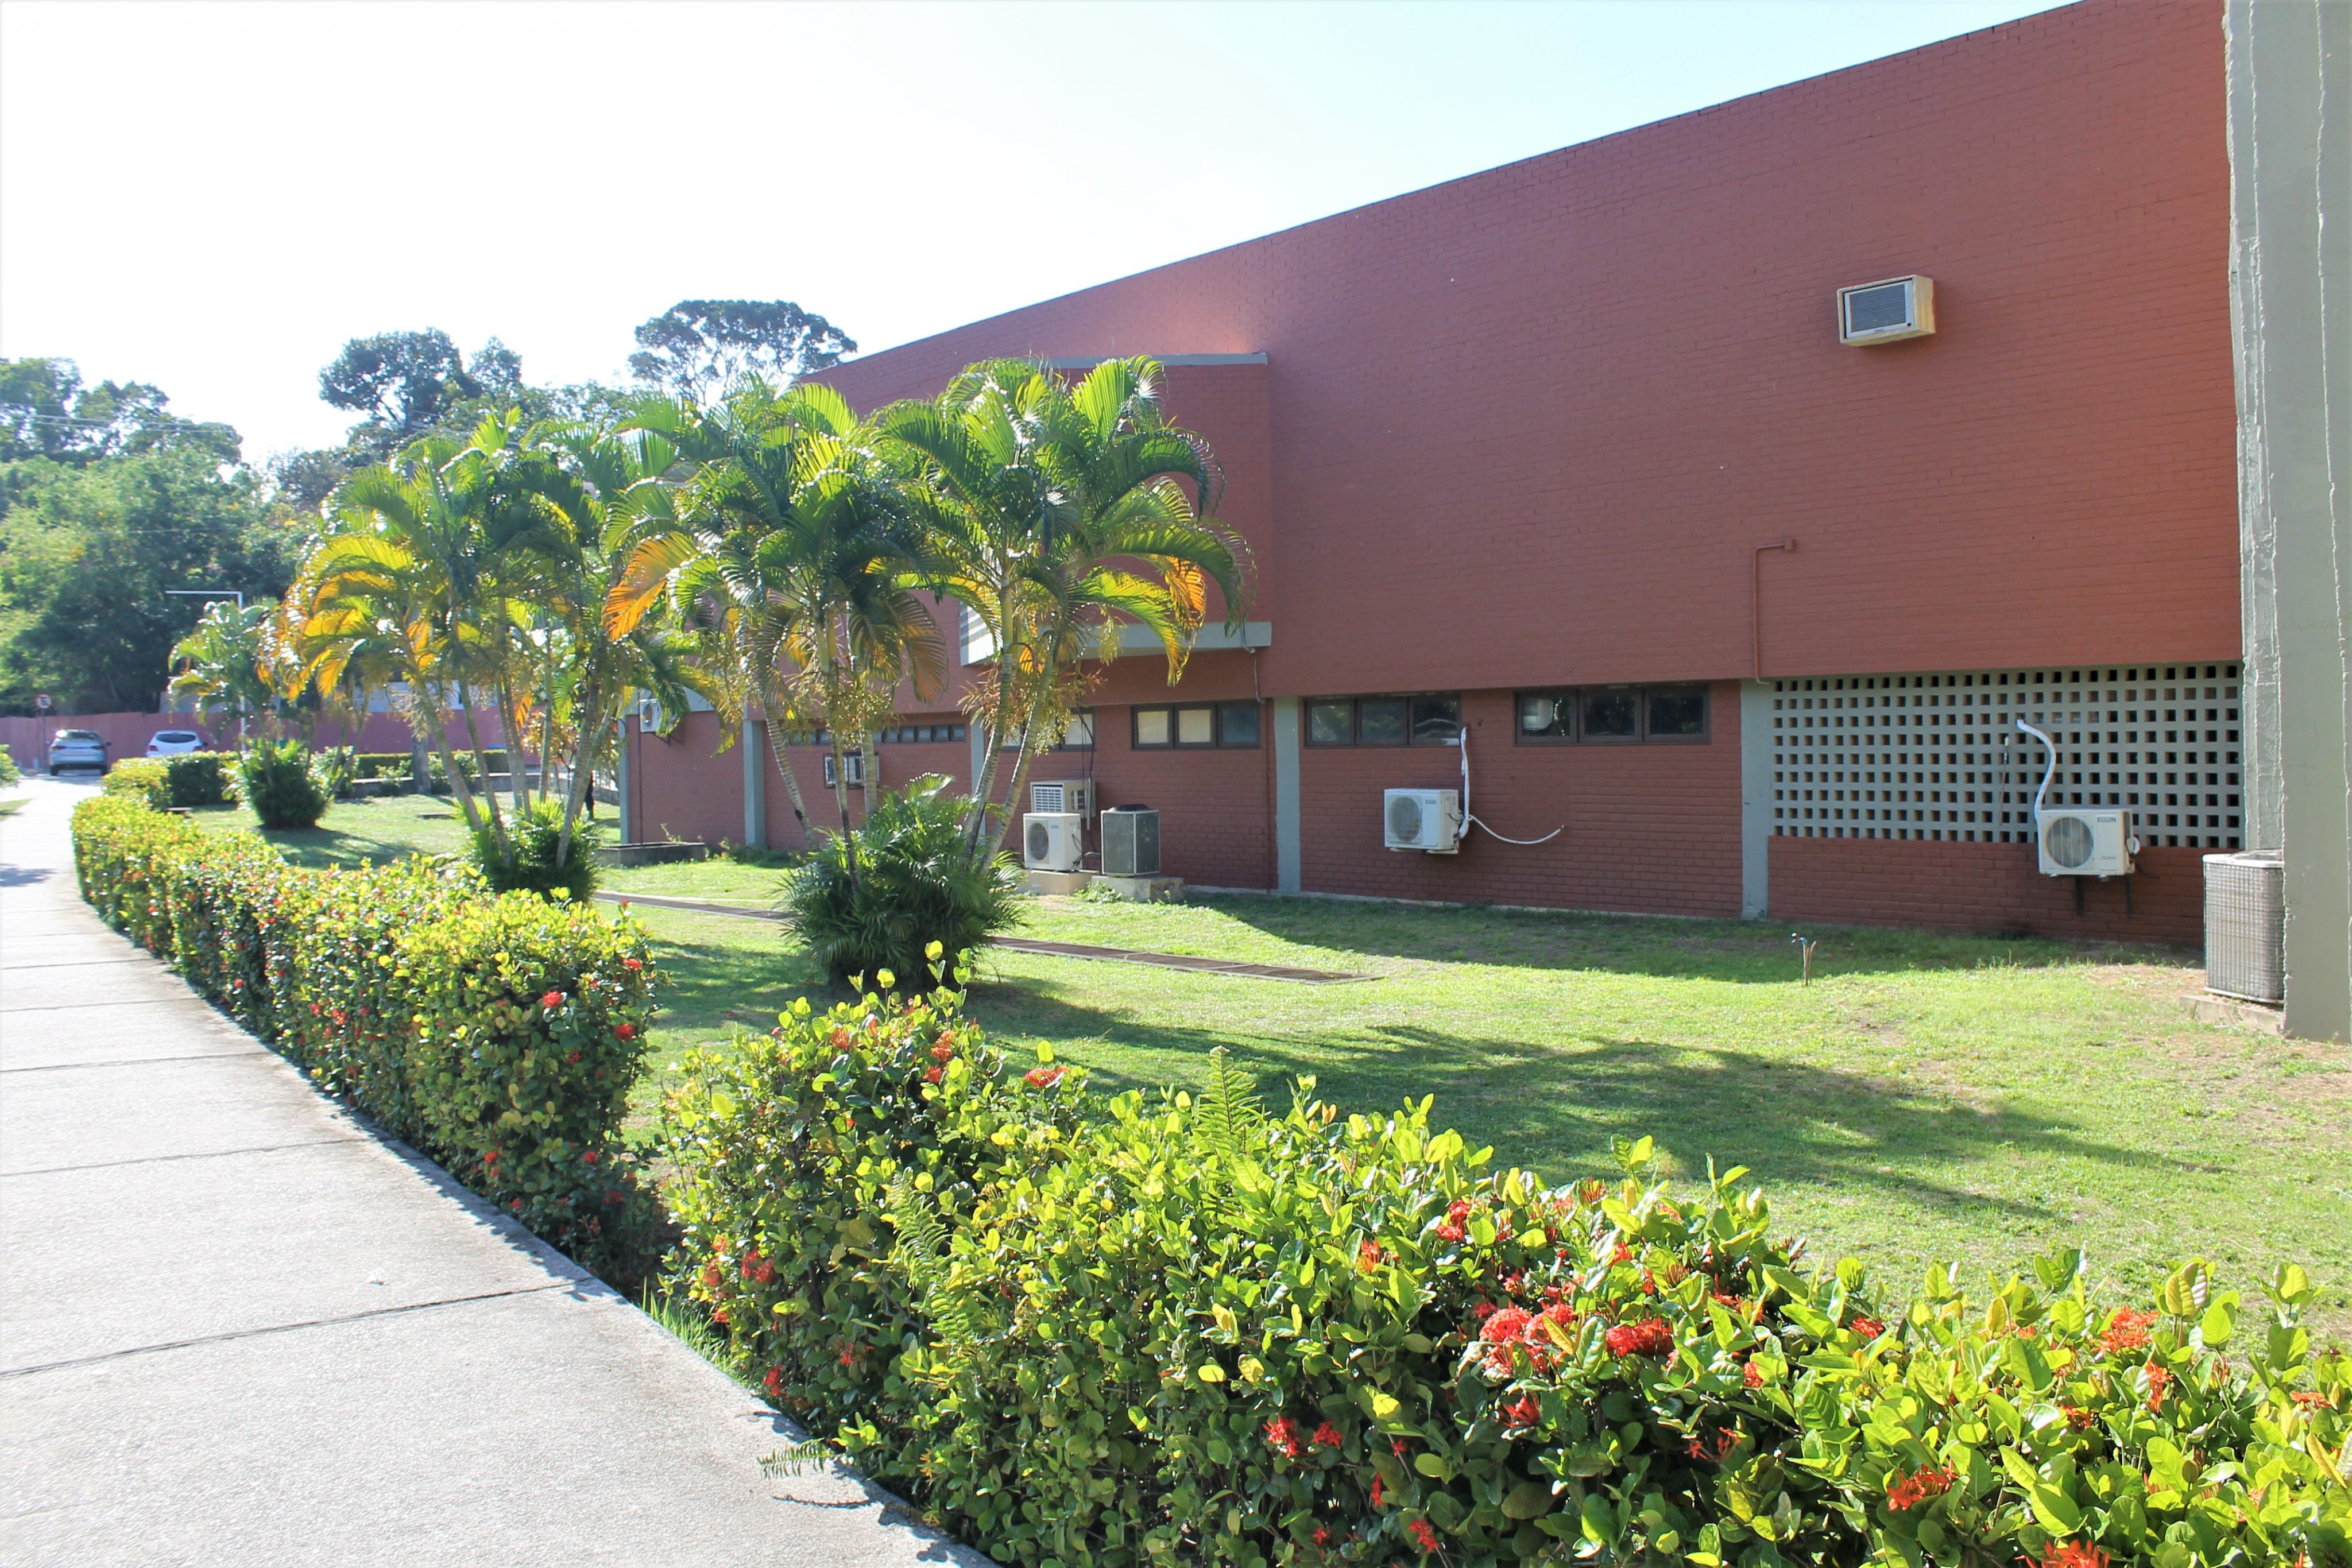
<point x="77" y="748"/>
<point x="174" y="743"/>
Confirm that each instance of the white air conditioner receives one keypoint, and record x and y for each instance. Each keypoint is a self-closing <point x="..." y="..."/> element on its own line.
<point x="1429" y="819"/>
<point x="1052" y="841"/>
<point x="856" y="770"/>
<point x="1887" y="311"/>
<point x="2086" y="842"/>
<point x="1062" y="795"/>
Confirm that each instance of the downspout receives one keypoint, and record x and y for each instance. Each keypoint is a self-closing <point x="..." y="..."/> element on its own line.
<point x="1756" y="594"/>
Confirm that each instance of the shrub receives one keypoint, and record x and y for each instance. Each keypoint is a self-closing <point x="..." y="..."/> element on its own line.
<point x="916" y="885"/>
<point x="9" y="772"/>
<point x="333" y="767"/>
<point x="278" y="784"/>
<point x="537" y="836"/>
<point x="140" y="779"/>
<point x="501" y="1035"/>
<point x="198" y="777"/>
<point x="1176" y="1329"/>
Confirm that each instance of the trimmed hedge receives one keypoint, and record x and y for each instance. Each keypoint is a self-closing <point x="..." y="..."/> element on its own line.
<point x="500" y="1035"/>
<point x="200" y="777"/>
<point x="138" y="779"/>
<point x="1125" y="1331"/>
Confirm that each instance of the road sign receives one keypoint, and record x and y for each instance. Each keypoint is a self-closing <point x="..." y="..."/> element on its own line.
<point x="41" y="703"/>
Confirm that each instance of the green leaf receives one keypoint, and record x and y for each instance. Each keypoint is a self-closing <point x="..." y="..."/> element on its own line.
<point x="2056" y="1511"/>
<point x="2218" y="1324"/>
<point x="1529" y="1500"/>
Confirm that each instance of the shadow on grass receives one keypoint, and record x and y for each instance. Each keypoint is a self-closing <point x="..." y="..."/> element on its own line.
<point x="1738" y="951"/>
<point x="1556" y="1108"/>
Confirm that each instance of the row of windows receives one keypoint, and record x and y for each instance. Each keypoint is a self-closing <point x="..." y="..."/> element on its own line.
<point x="1202" y="725"/>
<point x="1433" y="718"/>
<point x="1613" y="714"/>
<point x="897" y="735"/>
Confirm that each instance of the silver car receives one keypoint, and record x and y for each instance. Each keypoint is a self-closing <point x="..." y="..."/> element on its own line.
<point x="174" y="743"/>
<point x="77" y="748"/>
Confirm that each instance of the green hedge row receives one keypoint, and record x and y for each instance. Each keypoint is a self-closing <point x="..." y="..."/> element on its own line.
<point x="1125" y="1330"/>
<point x="501" y="1035"/>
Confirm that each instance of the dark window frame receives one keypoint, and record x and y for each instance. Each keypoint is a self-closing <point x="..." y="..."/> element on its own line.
<point x="1355" y="706"/>
<point x="1574" y="697"/>
<point x="1216" y="742"/>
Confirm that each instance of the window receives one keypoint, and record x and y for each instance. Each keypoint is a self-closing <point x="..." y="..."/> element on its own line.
<point x="1079" y="736"/>
<point x="1197" y="726"/>
<point x="1611" y="715"/>
<point x="1433" y="718"/>
<point x="922" y="734"/>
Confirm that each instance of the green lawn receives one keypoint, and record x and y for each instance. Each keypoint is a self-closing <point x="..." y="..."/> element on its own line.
<point x="1925" y="1097"/>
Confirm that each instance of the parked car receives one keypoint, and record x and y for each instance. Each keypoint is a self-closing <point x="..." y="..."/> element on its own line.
<point x="77" y="748"/>
<point x="174" y="743"/>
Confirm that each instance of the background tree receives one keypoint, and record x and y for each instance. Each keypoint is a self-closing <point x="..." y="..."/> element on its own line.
<point x="45" y="411"/>
<point x="698" y="348"/>
<point x="223" y="660"/>
<point x="401" y="382"/>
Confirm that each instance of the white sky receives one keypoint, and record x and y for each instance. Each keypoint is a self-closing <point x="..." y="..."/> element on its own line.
<point x="214" y="197"/>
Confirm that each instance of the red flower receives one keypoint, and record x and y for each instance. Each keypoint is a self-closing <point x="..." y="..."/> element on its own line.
<point x="1482" y="1310"/>
<point x="1458" y="1209"/>
<point x="2127" y="1330"/>
<point x="2159" y="1379"/>
<point x="1522" y="1411"/>
<point x="633" y="965"/>
<point x="516" y="1204"/>
<point x="849" y="1357"/>
<point x="1449" y="1231"/>
<point x="1623" y="1254"/>
<point x="1042" y="1077"/>
<point x="1423" y="1537"/>
<point x="553" y="1000"/>
<point x="625" y="1031"/>
<point x="1327" y="1435"/>
<point x="774" y="1381"/>
<point x="1281" y="1437"/>
<point x="1751" y="1375"/>
<point x="1368" y="1256"/>
<point x="2077" y="1417"/>
<point x="589" y="1158"/>
<point x="1321" y="1537"/>
<point x="1375" y="1493"/>
<point x="944" y="1051"/>
<point x="719" y="1314"/>
<point x="1650" y="1336"/>
<point x="2074" y="1554"/>
<point x="1868" y="1328"/>
<point x="1724" y="1441"/>
<point x="1918" y="1487"/>
<point x="934" y="1074"/>
<point x="1505" y="1327"/>
<point x="573" y="1056"/>
<point x="1397" y="1447"/>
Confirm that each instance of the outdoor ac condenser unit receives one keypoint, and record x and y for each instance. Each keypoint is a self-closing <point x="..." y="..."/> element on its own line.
<point x="2086" y="842"/>
<point x="1428" y="820"/>
<point x="1052" y="841"/>
<point x="1887" y="311"/>
<point x="1130" y="841"/>
<point x="1062" y="795"/>
<point x="2245" y="925"/>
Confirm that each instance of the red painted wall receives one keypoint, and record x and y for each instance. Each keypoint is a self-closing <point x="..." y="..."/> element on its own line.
<point x="1984" y="887"/>
<point x="1526" y="426"/>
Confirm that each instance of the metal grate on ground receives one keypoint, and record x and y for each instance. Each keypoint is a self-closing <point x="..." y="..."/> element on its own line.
<point x="1940" y="757"/>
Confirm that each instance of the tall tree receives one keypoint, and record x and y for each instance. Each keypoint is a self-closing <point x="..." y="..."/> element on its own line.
<point x="1055" y="513"/>
<point x="698" y="348"/>
<point x="46" y="411"/>
<point x="223" y="660"/>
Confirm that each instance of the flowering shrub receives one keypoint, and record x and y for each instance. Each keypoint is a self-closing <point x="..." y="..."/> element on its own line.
<point x="499" y="1035"/>
<point x="140" y="779"/>
<point x="199" y="778"/>
<point x="278" y="785"/>
<point x="1131" y="1329"/>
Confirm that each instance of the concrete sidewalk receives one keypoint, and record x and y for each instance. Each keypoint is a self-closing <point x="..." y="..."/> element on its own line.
<point x="236" y="1328"/>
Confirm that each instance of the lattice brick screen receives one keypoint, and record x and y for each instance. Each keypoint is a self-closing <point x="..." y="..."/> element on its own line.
<point x="1940" y="757"/>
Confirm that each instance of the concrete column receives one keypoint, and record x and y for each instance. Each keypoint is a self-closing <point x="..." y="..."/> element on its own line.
<point x="755" y="784"/>
<point x="1754" y="798"/>
<point x="621" y="783"/>
<point x="2290" y="318"/>
<point x="1286" y="877"/>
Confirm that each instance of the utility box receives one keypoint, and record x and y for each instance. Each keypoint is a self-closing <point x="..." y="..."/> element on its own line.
<point x="1130" y="841"/>
<point x="2245" y="925"/>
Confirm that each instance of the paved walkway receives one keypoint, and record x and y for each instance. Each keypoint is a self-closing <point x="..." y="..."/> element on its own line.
<point x="236" y="1328"/>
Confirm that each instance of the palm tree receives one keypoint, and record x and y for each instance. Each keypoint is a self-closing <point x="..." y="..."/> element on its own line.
<point x="790" y="555"/>
<point x="223" y="659"/>
<point x="1056" y="514"/>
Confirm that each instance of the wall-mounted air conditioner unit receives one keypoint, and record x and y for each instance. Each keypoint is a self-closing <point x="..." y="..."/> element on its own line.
<point x="1130" y="841"/>
<point x="1052" y="841"/>
<point x="1063" y="795"/>
<point x="1428" y="820"/>
<point x="856" y="770"/>
<point x="2086" y="842"/>
<point x="1887" y="311"/>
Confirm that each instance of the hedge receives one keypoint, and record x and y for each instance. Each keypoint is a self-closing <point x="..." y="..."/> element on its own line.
<point x="1129" y="1330"/>
<point x="200" y="777"/>
<point x="501" y="1035"/>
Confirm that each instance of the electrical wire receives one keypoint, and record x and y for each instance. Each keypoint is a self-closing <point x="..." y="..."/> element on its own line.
<point x="1462" y="740"/>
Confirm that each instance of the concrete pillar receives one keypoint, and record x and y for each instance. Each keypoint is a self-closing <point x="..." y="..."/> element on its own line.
<point x="1287" y="835"/>
<point x="621" y="782"/>
<point x="755" y="746"/>
<point x="1754" y="798"/>
<point x="2291" y="317"/>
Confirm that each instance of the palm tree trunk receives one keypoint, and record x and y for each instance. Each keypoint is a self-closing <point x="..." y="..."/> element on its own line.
<point x="792" y="785"/>
<point x="490" y="797"/>
<point x="976" y="825"/>
<point x="589" y="710"/>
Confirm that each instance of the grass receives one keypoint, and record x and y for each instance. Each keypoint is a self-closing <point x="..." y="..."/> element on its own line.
<point x="12" y="804"/>
<point x="1926" y="1097"/>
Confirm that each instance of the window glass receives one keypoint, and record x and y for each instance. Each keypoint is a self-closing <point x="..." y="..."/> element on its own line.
<point x="1151" y="726"/>
<point x="1080" y="735"/>
<point x="1237" y="724"/>
<point x="1330" y="723"/>
<point x="1677" y="711"/>
<point x="1380" y="721"/>
<point x="1611" y="715"/>
<point x="1196" y="727"/>
<point x="1547" y="716"/>
<point x="1436" y="721"/>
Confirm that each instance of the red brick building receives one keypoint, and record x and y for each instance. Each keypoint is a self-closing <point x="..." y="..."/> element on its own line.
<point x="1521" y="452"/>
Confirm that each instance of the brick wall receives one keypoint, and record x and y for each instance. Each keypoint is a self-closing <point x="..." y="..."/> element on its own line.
<point x="1984" y="887"/>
